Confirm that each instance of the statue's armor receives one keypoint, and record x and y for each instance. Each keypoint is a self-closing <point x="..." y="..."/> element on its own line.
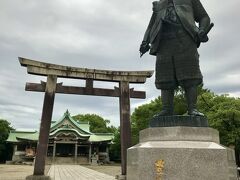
<point x="171" y="15"/>
<point x="172" y="33"/>
<point x="188" y="12"/>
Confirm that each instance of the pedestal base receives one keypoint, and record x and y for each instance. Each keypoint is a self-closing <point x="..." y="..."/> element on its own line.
<point x="170" y="121"/>
<point x="180" y="153"/>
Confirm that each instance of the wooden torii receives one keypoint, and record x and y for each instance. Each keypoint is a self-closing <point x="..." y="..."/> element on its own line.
<point x="53" y="71"/>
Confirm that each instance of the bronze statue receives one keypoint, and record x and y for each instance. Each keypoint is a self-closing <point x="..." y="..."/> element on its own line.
<point x="173" y="37"/>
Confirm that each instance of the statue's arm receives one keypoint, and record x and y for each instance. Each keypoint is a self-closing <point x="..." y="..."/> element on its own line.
<point x="200" y="15"/>
<point x="146" y="37"/>
<point x="144" y="47"/>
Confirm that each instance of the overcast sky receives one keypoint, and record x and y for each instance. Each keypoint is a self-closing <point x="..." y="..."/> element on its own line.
<point x="100" y="34"/>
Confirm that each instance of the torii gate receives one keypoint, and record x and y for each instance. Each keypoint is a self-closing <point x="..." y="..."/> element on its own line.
<point x="53" y="71"/>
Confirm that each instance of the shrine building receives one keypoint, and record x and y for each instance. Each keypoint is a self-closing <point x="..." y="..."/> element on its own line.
<point x="70" y="141"/>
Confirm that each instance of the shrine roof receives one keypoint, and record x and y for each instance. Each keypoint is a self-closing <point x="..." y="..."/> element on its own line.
<point x="82" y="127"/>
<point x="65" y="125"/>
<point x="101" y="137"/>
<point x="15" y="136"/>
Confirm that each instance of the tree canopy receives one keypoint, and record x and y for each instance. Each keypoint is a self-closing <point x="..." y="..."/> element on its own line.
<point x="222" y="111"/>
<point x="115" y="148"/>
<point x="5" y="128"/>
<point x="97" y="123"/>
<point x="100" y="125"/>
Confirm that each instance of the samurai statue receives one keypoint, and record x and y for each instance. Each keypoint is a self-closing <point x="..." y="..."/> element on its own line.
<point x="173" y="36"/>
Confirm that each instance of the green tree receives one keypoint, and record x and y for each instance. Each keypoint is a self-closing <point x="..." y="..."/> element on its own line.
<point x="223" y="114"/>
<point x="5" y="128"/>
<point x="222" y="111"/>
<point x="97" y="123"/>
<point x="115" y="148"/>
<point x="143" y="114"/>
<point x="100" y="125"/>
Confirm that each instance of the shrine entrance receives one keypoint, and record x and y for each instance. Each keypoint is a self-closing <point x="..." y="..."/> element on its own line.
<point x="53" y="71"/>
<point x="65" y="150"/>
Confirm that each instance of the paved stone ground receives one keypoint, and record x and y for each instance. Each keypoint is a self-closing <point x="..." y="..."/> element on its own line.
<point x="63" y="172"/>
<point x="111" y="170"/>
<point x="76" y="172"/>
<point x="15" y="172"/>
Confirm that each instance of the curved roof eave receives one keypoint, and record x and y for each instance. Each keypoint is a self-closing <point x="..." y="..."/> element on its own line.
<point x="67" y="129"/>
<point x="26" y="139"/>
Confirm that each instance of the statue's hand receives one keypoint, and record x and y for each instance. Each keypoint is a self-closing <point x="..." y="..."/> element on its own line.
<point x="202" y="36"/>
<point x="144" y="47"/>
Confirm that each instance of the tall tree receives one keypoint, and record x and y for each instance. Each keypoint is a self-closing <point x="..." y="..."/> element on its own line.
<point x="115" y="148"/>
<point x="5" y="128"/>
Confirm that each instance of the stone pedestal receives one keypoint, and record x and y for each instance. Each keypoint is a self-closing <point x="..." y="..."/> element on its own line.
<point x="180" y="153"/>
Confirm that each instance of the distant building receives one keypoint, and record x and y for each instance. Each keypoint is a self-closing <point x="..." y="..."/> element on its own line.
<point x="70" y="141"/>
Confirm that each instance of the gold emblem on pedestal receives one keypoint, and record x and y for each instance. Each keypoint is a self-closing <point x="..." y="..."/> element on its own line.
<point x="159" y="166"/>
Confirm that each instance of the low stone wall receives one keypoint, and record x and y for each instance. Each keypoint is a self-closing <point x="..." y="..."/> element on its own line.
<point x="67" y="160"/>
